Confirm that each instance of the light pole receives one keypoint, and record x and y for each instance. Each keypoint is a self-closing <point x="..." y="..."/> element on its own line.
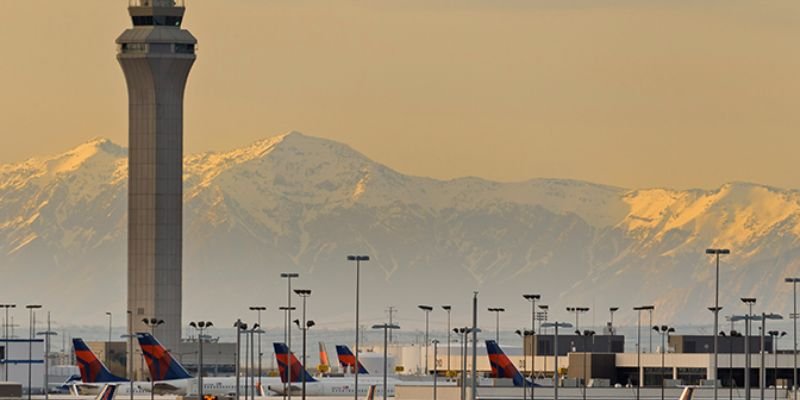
<point x="240" y="326"/>
<point x="522" y="333"/>
<point x="130" y="350"/>
<point x="358" y="259"/>
<point x="497" y="311"/>
<point x="5" y="335"/>
<point x="716" y="253"/>
<point x="427" y="310"/>
<point x="288" y="276"/>
<point x="386" y="328"/>
<point x="462" y="348"/>
<point x="435" y="366"/>
<point x="108" y="313"/>
<point x="304" y="293"/>
<point x="715" y="368"/>
<point x="152" y="323"/>
<point x="47" y="334"/>
<point x="259" y="309"/>
<point x="556" y="325"/>
<point x="585" y="334"/>
<point x="448" y="308"/>
<point x="749" y="301"/>
<point x="577" y="311"/>
<point x="763" y="372"/>
<point x="200" y="326"/>
<point x="532" y="298"/>
<point x="611" y="310"/>
<point x="794" y="281"/>
<point x="664" y="331"/>
<point x="639" y="371"/>
<point x="31" y="330"/>
<point x="252" y="332"/>
<point x="775" y="336"/>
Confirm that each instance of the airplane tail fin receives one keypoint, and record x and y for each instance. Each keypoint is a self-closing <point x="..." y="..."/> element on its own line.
<point x="371" y="392"/>
<point x="323" y="356"/>
<point x="348" y="360"/>
<point x="502" y="367"/>
<point x="688" y="393"/>
<point x="282" y="354"/>
<point x="162" y="365"/>
<point x="107" y="393"/>
<point x="92" y="369"/>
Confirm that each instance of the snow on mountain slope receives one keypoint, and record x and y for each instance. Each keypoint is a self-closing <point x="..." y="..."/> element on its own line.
<point x="299" y="202"/>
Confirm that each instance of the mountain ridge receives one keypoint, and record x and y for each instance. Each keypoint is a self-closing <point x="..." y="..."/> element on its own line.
<point x="301" y="202"/>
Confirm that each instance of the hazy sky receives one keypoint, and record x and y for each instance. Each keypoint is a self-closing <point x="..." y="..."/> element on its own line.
<point x="630" y="93"/>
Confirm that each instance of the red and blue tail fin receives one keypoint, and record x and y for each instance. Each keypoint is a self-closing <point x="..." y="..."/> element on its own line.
<point x="282" y="354"/>
<point x="162" y="366"/>
<point x="107" y="393"/>
<point x="502" y="367"/>
<point x="348" y="360"/>
<point x="92" y="369"/>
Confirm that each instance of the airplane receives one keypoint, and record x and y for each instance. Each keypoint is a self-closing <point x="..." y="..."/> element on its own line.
<point x="94" y="374"/>
<point x="348" y="360"/>
<point x="325" y="386"/>
<point x="502" y="367"/>
<point x="170" y="377"/>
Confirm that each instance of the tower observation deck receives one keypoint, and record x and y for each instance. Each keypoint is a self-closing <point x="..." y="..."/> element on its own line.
<point x="156" y="55"/>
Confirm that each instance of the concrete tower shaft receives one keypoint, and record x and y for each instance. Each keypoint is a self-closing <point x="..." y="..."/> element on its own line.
<point x="156" y="56"/>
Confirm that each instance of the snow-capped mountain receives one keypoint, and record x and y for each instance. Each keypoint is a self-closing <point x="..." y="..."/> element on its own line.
<point x="295" y="202"/>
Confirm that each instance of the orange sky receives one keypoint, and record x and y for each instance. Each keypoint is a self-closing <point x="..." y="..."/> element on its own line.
<point x="630" y="93"/>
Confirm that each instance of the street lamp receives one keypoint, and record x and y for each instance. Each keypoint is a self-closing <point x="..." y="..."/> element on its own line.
<point x="716" y="253"/>
<point x="200" y="326"/>
<point x="5" y="335"/>
<point x="240" y="326"/>
<point x="585" y="334"/>
<point x="532" y="298"/>
<point x="448" y="308"/>
<point x="794" y="281"/>
<point x="522" y="333"/>
<point x="152" y="323"/>
<point x="715" y="369"/>
<point x="435" y="366"/>
<point x="427" y="310"/>
<point x="611" y="310"/>
<point x="386" y="328"/>
<point x="252" y="340"/>
<point x="31" y="330"/>
<point x="497" y="311"/>
<point x="258" y="309"/>
<point x="639" y="371"/>
<point x="775" y="336"/>
<point x="664" y="331"/>
<point x="577" y="311"/>
<point x="556" y="325"/>
<point x="288" y="276"/>
<point x="47" y="334"/>
<point x="763" y="373"/>
<point x="305" y="294"/>
<point x="358" y="259"/>
<point x="749" y="301"/>
<point x="108" y="313"/>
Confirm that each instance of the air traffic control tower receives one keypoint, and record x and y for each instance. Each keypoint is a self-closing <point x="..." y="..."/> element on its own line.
<point x="156" y="56"/>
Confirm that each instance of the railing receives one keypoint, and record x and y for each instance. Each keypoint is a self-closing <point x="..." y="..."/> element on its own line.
<point x="156" y="3"/>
